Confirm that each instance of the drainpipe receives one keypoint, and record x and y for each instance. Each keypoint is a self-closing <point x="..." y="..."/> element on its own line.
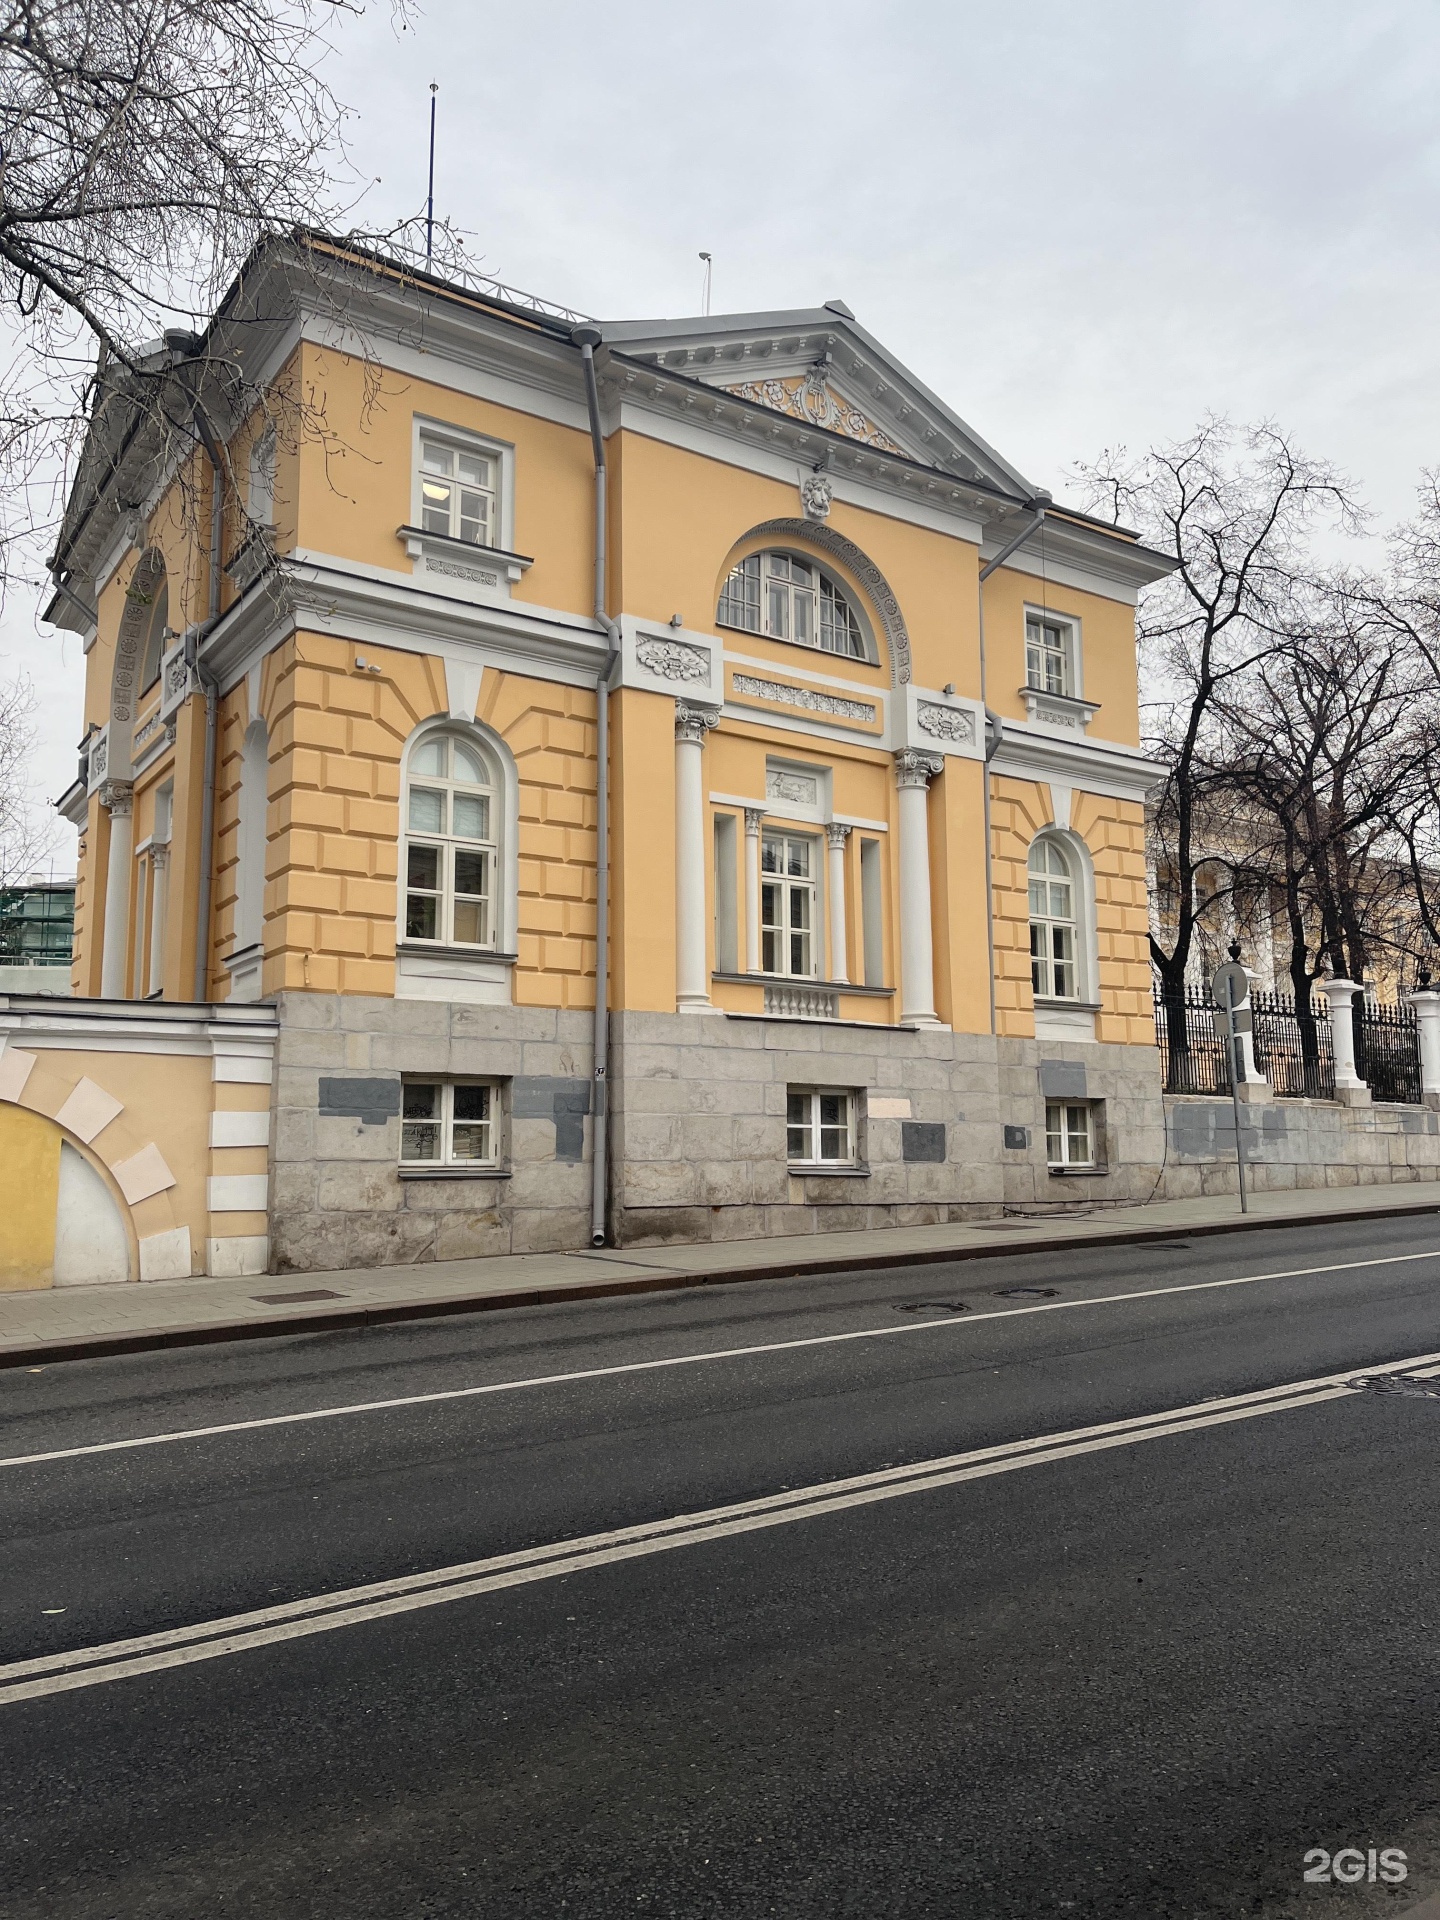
<point x="995" y="727"/>
<point x="191" y="345"/>
<point x="587" y="339"/>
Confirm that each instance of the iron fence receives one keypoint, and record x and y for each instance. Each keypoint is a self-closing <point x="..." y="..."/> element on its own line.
<point x="1293" y="1047"/>
<point x="1387" y="1051"/>
<point x="1190" y="1034"/>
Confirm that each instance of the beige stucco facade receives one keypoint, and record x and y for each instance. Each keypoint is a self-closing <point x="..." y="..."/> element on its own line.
<point x="345" y="643"/>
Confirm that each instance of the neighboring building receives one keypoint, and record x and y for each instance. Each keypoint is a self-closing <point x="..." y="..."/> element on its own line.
<point x="834" y="1001"/>
<point x="37" y="935"/>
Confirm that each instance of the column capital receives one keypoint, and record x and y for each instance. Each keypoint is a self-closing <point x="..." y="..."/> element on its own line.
<point x="914" y="769"/>
<point x="837" y="833"/>
<point x="117" y="796"/>
<point x="159" y="851"/>
<point x="693" y="723"/>
<point x="754" y="819"/>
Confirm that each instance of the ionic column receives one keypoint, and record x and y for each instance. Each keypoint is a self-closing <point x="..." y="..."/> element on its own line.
<point x="1426" y="1003"/>
<point x="159" y="863"/>
<point x="691" y="986"/>
<point x="116" y="797"/>
<point x="754" y="822"/>
<point x="1350" y="1089"/>
<point x="835" y="837"/>
<point x="913" y="774"/>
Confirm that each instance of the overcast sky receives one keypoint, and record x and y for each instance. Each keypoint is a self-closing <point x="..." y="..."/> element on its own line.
<point x="1082" y="225"/>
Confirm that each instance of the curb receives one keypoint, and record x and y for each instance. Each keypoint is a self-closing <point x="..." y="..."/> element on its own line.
<point x="440" y="1306"/>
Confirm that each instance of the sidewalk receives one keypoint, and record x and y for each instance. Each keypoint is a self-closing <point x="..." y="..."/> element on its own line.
<point x="84" y="1322"/>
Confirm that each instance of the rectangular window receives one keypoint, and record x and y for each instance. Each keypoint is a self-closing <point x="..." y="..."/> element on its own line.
<point x="870" y="913"/>
<point x="820" y="1126"/>
<point x="787" y="905"/>
<point x="1048" y="650"/>
<point x="1069" y="1133"/>
<point x="449" y="1123"/>
<point x="459" y="493"/>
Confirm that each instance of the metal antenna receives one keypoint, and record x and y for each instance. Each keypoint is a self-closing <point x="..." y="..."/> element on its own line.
<point x="705" y="295"/>
<point x="430" y="189"/>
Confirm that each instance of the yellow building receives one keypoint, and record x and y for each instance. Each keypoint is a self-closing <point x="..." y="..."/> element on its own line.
<point x="863" y="882"/>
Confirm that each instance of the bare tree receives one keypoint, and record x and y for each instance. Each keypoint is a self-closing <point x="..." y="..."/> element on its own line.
<point x="1235" y="509"/>
<point x="146" y="148"/>
<point x="27" y="835"/>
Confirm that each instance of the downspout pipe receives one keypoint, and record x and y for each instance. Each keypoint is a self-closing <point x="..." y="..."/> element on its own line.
<point x="587" y="339"/>
<point x="995" y="727"/>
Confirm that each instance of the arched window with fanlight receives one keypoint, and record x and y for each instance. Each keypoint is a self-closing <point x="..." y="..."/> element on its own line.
<point x="157" y="635"/>
<point x="1055" y="905"/>
<point x="451" y="845"/>
<point x="785" y="597"/>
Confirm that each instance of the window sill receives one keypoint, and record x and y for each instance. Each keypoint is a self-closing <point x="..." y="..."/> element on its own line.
<point x="829" y="1169"/>
<point x="1077" y="1173"/>
<point x="438" y="951"/>
<point x="1054" y="1003"/>
<point x="802" y="980"/>
<point x="800" y="646"/>
<point x="418" y="542"/>
<point x="414" y="1170"/>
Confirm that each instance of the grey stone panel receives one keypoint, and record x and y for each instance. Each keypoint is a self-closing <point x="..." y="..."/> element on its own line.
<point x="922" y="1140"/>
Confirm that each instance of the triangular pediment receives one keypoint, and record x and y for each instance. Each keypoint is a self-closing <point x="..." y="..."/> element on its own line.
<point x="821" y="368"/>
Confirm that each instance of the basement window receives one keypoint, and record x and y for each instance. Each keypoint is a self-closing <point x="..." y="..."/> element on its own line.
<point x="450" y="1123"/>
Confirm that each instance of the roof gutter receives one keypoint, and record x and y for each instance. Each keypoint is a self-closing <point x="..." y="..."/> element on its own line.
<point x="587" y="339"/>
<point x="995" y="726"/>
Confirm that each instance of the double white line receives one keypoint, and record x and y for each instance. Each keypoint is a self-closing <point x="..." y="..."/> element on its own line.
<point x="268" y="1626"/>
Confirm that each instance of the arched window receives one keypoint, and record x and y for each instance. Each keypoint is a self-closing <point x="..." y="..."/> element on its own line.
<point x="1054" y="922"/>
<point x="787" y="598"/>
<point x="157" y="631"/>
<point x="451" y="843"/>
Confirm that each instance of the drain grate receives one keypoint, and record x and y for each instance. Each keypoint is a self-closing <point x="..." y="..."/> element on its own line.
<point x="1396" y="1383"/>
<point x="932" y="1306"/>
<point x="286" y="1299"/>
<point x="1028" y="1293"/>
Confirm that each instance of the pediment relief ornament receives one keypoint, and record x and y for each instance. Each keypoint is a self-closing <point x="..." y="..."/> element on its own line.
<point x="810" y="397"/>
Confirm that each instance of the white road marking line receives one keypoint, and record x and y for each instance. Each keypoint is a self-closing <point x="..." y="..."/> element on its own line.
<point x="951" y="1322"/>
<point x="268" y="1626"/>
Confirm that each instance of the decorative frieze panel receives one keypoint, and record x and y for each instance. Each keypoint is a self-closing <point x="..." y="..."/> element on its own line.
<point x="1059" y="710"/>
<point x="673" y="660"/>
<point x="177" y="681"/>
<point x="811" y="398"/>
<point x="829" y="706"/>
<point x="800" y="789"/>
<point x="98" y="765"/>
<point x="945" y="723"/>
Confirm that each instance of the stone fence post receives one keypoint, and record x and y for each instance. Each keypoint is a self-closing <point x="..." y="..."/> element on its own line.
<point x="1350" y="1089"/>
<point x="1426" y="1003"/>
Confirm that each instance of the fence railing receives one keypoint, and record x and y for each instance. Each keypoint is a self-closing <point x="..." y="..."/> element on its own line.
<point x="1387" y="1051"/>
<point x="1194" y="1052"/>
<point x="1293" y="1046"/>
<point x="1293" y="1050"/>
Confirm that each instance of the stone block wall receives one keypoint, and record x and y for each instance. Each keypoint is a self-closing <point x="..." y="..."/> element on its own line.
<point x="338" y="1196"/>
<point x="1296" y="1144"/>
<point x="699" y="1126"/>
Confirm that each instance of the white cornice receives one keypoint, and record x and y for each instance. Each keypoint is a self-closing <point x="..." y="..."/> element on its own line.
<point x="1094" y="766"/>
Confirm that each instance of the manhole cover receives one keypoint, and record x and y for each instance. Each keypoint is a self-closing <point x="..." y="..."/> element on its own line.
<point x="1396" y="1383"/>
<point x="1028" y="1293"/>
<point x="932" y="1306"/>
<point x="285" y="1299"/>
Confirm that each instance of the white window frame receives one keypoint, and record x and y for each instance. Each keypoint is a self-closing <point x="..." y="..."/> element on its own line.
<point x="449" y="843"/>
<point x="809" y="598"/>
<point x="1046" y="962"/>
<point x="1069" y="628"/>
<point x="787" y="886"/>
<point x="464" y="440"/>
<point x="1062" y="1133"/>
<point x="813" y="1096"/>
<point x="446" y="1122"/>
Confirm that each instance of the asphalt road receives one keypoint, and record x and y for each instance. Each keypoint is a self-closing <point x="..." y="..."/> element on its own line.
<point x="1136" y="1673"/>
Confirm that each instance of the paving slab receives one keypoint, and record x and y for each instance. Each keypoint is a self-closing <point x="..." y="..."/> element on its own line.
<point x="83" y="1322"/>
